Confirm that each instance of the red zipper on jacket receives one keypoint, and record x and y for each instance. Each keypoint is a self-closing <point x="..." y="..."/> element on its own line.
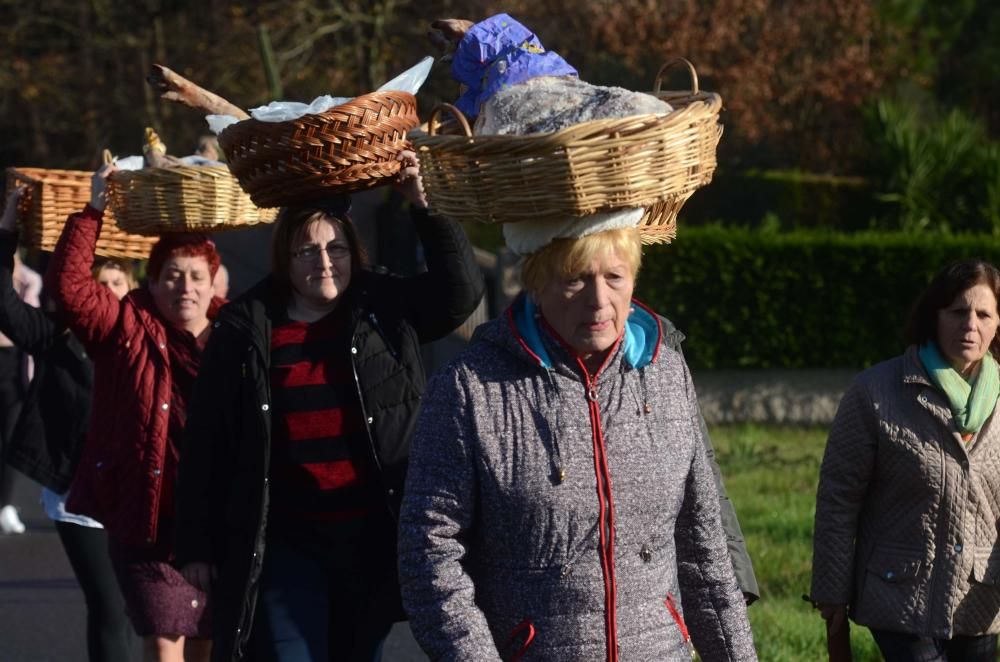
<point x="606" y="511"/>
<point x="606" y="524"/>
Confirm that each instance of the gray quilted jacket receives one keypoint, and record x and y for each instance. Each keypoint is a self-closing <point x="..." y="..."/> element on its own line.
<point x="907" y="513"/>
<point x="546" y="518"/>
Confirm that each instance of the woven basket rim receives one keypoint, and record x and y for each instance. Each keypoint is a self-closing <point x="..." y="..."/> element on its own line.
<point x="709" y="102"/>
<point x="249" y="123"/>
<point x="24" y="171"/>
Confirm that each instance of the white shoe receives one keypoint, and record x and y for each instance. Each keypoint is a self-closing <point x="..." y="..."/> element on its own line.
<point x="9" y="521"/>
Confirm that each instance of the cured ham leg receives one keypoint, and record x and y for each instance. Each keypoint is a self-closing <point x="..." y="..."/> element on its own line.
<point x="174" y="87"/>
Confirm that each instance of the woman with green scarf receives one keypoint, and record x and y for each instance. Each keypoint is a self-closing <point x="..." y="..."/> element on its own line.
<point x="907" y="511"/>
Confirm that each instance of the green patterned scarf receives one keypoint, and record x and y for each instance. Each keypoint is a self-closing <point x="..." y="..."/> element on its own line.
<point x="971" y="404"/>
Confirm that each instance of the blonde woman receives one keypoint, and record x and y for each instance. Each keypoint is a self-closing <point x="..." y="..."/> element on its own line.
<point x="560" y="503"/>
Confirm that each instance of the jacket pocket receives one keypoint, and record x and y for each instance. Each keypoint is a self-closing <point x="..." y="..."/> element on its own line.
<point x="671" y="605"/>
<point x="894" y="566"/>
<point x="986" y="569"/>
<point x="523" y="633"/>
<point x="888" y="586"/>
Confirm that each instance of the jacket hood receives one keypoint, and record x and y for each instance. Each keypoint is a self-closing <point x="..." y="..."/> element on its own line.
<point x="640" y="345"/>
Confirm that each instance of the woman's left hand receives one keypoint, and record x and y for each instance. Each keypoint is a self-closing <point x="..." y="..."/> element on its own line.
<point x="408" y="181"/>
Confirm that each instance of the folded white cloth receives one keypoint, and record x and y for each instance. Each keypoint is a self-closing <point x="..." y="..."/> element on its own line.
<point x="526" y="237"/>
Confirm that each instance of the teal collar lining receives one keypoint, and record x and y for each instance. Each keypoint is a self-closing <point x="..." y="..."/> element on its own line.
<point x="642" y="333"/>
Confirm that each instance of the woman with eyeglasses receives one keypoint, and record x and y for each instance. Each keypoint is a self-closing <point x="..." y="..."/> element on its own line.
<point x="297" y="440"/>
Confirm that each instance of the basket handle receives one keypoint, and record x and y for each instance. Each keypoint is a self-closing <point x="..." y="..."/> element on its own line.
<point x="669" y="63"/>
<point x="106" y="157"/>
<point x="432" y="123"/>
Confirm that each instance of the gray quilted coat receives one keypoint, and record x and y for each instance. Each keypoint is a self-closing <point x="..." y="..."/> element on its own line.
<point x="906" y="512"/>
<point x="548" y="518"/>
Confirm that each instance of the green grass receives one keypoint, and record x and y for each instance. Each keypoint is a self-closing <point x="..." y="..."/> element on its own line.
<point x="771" y="475"/>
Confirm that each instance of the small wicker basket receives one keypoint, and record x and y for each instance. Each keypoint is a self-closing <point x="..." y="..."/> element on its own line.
<point x="51" y="196"/>
<point x="346" y="148"/>
<point x="156" y="201"/>
<point x="649" y="161"/>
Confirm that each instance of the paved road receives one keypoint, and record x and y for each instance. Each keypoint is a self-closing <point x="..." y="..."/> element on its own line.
<point x="42" y="614"/>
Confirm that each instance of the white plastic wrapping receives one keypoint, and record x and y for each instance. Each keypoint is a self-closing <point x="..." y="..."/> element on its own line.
<point x="129" y="163"/>
<point x="282" y="111"/>
<point x="138" y="163"/>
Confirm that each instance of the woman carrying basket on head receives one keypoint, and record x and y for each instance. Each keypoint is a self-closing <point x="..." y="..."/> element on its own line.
<point x="297" y="443"/>
<point x="146" y="350"/>
<point x="560" y="502"/>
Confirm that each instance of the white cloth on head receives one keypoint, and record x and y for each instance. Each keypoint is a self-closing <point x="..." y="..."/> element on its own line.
<point x="526" y="237"/>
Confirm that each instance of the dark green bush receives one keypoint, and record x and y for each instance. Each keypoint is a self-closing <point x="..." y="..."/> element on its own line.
<point x="797" y="199"/>
<point x="936" y="170"/>
<point x="801" y="299"/>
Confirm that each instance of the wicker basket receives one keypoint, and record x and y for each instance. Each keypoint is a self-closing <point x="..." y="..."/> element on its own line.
<point x="346" y="148"/>
<point x="51" y="196"/>
<point x="649" y="161"/>
<point x="155" y="201"/>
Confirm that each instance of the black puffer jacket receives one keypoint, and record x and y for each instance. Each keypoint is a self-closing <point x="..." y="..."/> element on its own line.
<point x="222" y="488"/>
<point x="52" y="425"/>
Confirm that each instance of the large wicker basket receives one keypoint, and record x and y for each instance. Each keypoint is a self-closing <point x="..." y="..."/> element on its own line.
<point x="649" y="161"/>
<point x="156" y="201"/>
<point x="349" y="147"/>
<point x="51" y="196"/>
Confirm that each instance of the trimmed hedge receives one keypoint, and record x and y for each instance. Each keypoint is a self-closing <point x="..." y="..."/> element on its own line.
<point x="749" y="299"/>
<point x="786" y="199"/>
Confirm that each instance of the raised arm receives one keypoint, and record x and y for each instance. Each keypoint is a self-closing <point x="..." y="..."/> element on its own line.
<point x="27" y="327"/>
<point x="91" y="310"/>
<point x="436" y="516"/>
<point x="438" y="301"/>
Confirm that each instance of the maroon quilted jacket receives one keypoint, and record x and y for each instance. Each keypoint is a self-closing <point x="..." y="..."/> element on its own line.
<point x="127" y="458"/>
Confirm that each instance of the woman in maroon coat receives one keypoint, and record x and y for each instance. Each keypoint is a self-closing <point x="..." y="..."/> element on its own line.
<point x="146" y="350"/>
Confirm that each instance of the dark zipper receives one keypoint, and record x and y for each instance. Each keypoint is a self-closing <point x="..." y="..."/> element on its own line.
<point x="256" y="560"/>
<point x="381" y="334"/>
<point x="364" y="411"/>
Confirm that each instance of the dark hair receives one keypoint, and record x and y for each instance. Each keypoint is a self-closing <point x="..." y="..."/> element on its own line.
<point x="951" y="281"/>
<point x="290" y="224"/>
<point x="187" y="244"/>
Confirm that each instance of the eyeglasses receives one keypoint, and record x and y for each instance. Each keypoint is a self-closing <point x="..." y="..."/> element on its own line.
<point x="311" y="252"/>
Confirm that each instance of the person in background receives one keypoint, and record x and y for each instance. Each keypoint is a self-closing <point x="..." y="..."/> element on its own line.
<point x="46" y="444"/>
<point x="906" y="539"/>
<point x="15" y="373"/>
<point x="220" y="284"/>
<point x="146" y="349"/>
<point x="208" y="148"/>
<point x="298" y="435"/>
<point x="115" y="275"/>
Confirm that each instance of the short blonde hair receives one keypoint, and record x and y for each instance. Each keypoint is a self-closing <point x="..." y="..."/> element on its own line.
<point x="566" y="257"/>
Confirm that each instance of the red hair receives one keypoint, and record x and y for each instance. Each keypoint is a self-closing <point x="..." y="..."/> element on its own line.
<point x="185" y="244"/>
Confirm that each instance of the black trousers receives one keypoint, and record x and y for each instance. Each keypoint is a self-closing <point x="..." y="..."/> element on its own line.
<point x="900" y="647"/>
<point x="11" y="398"/>
<point x="110" y="636"/>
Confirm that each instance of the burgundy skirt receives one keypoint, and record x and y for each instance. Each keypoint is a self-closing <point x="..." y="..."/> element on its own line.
<point x="158" y="599"/>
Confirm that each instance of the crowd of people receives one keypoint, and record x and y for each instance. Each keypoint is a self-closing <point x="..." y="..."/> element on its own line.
<point x="251" y="496"/>
<point x="276" y="477"/>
